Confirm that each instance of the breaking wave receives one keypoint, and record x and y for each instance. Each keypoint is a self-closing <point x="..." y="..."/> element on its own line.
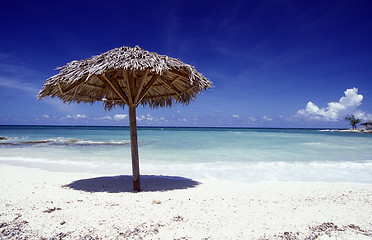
<point x="12" y="141"/>
<point x="251" y="172"/>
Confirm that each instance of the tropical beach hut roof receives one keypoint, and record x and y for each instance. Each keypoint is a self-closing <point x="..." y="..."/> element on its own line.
<point x="160" y="81"/>
<point x="367" y="125"/>
<point x="127" y="76"/>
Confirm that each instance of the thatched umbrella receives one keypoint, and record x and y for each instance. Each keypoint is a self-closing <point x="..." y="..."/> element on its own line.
<point x="127" y="76"/>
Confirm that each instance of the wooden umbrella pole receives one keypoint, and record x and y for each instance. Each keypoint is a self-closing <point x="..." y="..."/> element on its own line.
<point x="134" y="148"/>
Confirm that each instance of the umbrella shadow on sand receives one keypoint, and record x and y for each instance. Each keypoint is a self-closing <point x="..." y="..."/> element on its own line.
<point x="129" y="77"/>
<point x="124" y="183"/>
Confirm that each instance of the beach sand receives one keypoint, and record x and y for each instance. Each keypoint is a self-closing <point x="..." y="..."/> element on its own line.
<point x="37" y="204"/>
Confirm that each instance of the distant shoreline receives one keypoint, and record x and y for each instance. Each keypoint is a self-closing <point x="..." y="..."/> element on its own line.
<point x="354" y="131"/>
<point x="171" y="127"/>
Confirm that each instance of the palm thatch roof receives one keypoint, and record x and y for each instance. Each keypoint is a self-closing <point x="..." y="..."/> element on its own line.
<point x="126" y="76"/>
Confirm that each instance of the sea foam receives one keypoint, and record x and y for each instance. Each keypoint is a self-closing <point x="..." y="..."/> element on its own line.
<point x="245" y="155"/>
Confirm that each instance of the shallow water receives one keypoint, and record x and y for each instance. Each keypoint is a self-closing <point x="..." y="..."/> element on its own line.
<point x="244" y="155"/>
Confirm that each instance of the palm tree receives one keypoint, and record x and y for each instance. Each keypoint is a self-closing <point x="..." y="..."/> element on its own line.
<point x="353" y="120"/>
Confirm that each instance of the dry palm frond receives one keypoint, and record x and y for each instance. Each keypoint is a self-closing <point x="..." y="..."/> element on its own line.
<point x="127" y="76"/>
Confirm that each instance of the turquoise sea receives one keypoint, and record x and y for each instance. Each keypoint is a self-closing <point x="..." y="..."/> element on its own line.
<point x="238" y="154"/>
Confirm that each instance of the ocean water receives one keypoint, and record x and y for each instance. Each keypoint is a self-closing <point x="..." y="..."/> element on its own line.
<point x="242" y="155"/>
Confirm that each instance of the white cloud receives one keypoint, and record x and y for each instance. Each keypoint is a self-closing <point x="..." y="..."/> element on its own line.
<point x="103" y="118"/>
<point x="19" y="85"/>
<point x="119" y="117"/>
<point x="235" y="116"/>
<point x="253" y="119"/>
<point x="15" y="75"/>
<point x="148" y="117"/>
<point x="106" y="118"/>
<point x="182" y="119"/>
<point x="45" y="116"/>
<point x="362" y="115"/>
<point x="266" y="118"/>
<point x="335" y="110"/>
<point x="18" y="69"/>
<point x="142" y="117"/>
<point x="77" y="116"/>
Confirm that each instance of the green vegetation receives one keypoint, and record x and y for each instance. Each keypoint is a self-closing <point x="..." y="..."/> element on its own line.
<point x="353" y="120"/>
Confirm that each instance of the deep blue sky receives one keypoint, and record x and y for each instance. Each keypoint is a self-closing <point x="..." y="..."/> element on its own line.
<point x="273" y="63"/>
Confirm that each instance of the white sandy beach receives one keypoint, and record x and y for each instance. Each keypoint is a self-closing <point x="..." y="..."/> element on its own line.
<point x="36" y="204"/>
